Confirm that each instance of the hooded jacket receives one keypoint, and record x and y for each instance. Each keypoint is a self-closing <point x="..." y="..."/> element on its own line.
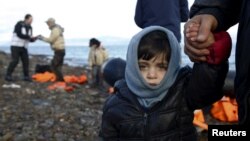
<point x="228" y="13"/>
<point x="166" y="13"/>
<point x="149" y="95"/>
<point x="170" y="117"/>
<point x="56" y="38"/>
<point x="97" y="56"/>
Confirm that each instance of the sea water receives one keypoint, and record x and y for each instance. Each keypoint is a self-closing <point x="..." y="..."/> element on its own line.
<point x="78" y="55"/>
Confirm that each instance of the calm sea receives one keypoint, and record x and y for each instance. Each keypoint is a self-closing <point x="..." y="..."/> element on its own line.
<point x="77" y="55"/>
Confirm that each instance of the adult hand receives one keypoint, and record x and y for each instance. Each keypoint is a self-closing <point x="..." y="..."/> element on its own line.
<point x="40" y="37"/>
<point x="197" y="37"/>
<point x="33" y="39"/>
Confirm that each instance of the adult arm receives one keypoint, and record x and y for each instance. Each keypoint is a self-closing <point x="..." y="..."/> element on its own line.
<point x="227" y="12"/>
<point x="54" y="35"/>
<point x="139" y="14"/>
<point x="184" y="11"/>
<point x="211" y="15"/>
<point x="32" y="39"/>
<point x="20" y="30"/>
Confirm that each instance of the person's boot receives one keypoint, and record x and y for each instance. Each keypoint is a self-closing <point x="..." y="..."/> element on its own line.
<point x="8" y="78"/>
<point x="27" y="78"/>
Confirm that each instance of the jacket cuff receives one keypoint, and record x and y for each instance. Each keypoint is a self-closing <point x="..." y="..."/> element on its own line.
<point x="220" y="50"/>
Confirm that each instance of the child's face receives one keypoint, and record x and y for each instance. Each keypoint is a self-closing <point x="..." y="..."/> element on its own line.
<point x="154" y="70"/>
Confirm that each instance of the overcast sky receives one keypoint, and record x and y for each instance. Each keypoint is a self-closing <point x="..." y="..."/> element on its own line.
<point x="80" y="18"/>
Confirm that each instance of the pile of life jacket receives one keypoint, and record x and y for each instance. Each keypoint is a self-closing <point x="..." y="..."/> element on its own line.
<point x="225" y="110"/>
<point x="68" y="79"/>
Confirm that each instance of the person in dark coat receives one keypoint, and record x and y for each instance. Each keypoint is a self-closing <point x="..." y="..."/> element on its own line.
<point x="217" y="15"/>
<point x="157" y="98"/>
<point x="166" y="13"/>
<point x="22" y="36"/>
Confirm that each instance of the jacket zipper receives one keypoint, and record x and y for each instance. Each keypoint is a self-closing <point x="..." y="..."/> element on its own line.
<point x="146" y="134"/>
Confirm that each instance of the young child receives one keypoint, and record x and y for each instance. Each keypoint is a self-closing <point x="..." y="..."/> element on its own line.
<point x="97" y="56"/>
<point x="157" y="99"/>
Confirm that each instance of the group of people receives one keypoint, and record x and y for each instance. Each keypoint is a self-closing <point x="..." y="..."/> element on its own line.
<point x="22" y="36"/>
<point x="157" y="97"/>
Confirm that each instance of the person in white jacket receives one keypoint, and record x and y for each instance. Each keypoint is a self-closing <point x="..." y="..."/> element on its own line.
<point x="21" y="38"/>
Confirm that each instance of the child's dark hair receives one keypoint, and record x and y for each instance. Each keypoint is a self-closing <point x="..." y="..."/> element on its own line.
<point x="154" y="44"/>
<point x="94" y="41"/>
<point x="27" y="16"/>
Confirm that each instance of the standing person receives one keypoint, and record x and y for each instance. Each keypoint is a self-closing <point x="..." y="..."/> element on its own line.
<point x="156" y="100"/>
<point x="217" y="15"/>
<point x="166" y="13"/>
<point x="97" y="56"/>
<point x="56" y="40"/>
<point x="22" y="35"/>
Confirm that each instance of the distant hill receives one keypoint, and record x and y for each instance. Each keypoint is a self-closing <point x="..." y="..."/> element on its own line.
<point x="106" y="41"/>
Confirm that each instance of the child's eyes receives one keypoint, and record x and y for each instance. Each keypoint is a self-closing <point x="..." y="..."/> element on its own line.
<point x="142" y="67"/>
<point x="162" y="66"/>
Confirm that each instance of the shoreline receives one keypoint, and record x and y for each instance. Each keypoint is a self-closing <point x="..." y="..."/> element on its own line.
<point x="35" y="113"/>
<point x="68" y="60"/>
<point x="32" y="112"/>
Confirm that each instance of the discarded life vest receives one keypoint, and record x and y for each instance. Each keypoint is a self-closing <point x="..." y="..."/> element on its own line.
<point x="199" y="120"/>
<point x="44" y="77"/>
<point x="225" y="110"/>
<point x="51" y="77"/>
<point x="60" y="85"/>
<point x="75" y="79"/>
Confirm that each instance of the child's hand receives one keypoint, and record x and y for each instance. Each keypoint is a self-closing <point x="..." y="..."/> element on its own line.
<point x="40" y="37"/>
<point x="192" y="32"/>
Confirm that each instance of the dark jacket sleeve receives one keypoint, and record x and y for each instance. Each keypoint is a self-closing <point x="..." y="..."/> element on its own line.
<point x="139" y="14"/>
<point x="225" y="11"/>
<point x="184" y="10"/>
<point x="207" y="79"/>
<point x="18" y="30"/>
<point x="108" y="132"/>
<point x="32" y="39"/>
<point x="205" y="84"/>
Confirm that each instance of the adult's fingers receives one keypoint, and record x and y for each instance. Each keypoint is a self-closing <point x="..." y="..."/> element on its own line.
<point x="192" y="27"/>
<point x="192" y="36"/>
<point x="196" y="50"/>
<point x="200" y="45"/>
<point x="194" y="58"/>
<point x="207" y="25"/>
<point x="192" y="33"/>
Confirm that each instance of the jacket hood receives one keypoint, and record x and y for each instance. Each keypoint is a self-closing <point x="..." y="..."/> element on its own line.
<point x="58" y="26"/>
<point x="146" y="94"/>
